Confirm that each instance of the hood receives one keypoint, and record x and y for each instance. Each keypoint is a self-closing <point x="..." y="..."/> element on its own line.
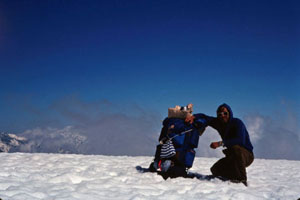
<point x="228" y="108"/>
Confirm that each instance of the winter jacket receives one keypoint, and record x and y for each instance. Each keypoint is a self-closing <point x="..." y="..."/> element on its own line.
<point x="185" y="138"/>
<point x="232" y="133"/>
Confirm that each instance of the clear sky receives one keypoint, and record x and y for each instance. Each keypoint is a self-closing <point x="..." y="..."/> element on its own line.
<point x="149" y="55"/>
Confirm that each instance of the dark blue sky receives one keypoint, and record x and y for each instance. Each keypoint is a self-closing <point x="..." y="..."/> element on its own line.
<point x="147" y="54"/>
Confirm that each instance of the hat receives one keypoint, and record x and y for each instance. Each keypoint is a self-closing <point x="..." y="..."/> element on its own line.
<point x="180" y="111"/>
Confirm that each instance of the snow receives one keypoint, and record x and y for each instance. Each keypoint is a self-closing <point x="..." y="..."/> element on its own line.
<point x="26" y="176"/>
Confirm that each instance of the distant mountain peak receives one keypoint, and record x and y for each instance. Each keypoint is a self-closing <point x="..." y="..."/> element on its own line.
<point x="10" y="141"/>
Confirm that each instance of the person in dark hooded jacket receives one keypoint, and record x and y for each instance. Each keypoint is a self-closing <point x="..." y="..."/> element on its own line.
<point x="235" y="137"/>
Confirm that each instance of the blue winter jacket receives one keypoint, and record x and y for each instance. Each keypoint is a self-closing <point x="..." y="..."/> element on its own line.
<point x="232" y="133"/>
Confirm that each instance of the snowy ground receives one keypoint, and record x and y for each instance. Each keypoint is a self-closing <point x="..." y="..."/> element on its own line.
<point x="64" y="176"/>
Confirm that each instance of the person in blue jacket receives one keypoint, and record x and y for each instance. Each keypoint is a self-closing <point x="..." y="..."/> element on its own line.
<point x="235" y="137"/>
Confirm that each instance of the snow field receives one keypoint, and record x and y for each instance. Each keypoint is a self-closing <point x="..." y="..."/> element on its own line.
<point x="70" y="177"/>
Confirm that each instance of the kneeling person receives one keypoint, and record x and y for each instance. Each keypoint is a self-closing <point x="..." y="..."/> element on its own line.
<point x="235" y="137"/>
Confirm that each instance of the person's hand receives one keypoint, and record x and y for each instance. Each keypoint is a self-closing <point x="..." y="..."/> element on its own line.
<point x="215" y="145"/>
<point x="170" y="128"/>
<point x="190" y="107"/>
<point x="189" y="119"/>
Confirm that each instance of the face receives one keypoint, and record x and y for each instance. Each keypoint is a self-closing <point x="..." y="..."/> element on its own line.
<point x="223" y="115"/>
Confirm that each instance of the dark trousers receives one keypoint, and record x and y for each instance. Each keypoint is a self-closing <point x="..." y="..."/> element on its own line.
<point x="233" y="166"/>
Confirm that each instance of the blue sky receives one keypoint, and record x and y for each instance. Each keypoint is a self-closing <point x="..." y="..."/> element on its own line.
<point x="149" y="55"/>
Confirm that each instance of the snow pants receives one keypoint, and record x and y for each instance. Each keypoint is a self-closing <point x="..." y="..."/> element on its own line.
<point x="233" y="166"/>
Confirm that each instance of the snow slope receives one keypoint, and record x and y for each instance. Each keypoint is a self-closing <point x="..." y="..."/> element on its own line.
<point x="67" y="176"/>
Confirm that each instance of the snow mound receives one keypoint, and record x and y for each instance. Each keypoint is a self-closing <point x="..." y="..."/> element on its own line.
<point x="70" y="177"/>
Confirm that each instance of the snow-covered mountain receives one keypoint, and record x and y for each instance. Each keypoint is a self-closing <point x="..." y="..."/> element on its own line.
<point x="25" y="176"/>
<point x="10" y="142"/>
<point x="49" y="140"/>
<point x="82" y="140"/>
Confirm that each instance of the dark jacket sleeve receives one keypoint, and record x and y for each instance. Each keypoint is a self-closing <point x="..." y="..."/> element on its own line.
<point x="179" y="125"/>
<point x="205" y="120"/>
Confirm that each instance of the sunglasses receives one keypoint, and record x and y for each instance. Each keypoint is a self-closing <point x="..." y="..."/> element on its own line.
<point x="223" y="113"/>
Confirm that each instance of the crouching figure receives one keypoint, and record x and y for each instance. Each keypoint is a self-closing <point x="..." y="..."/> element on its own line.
<point x="239" y="150"/>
